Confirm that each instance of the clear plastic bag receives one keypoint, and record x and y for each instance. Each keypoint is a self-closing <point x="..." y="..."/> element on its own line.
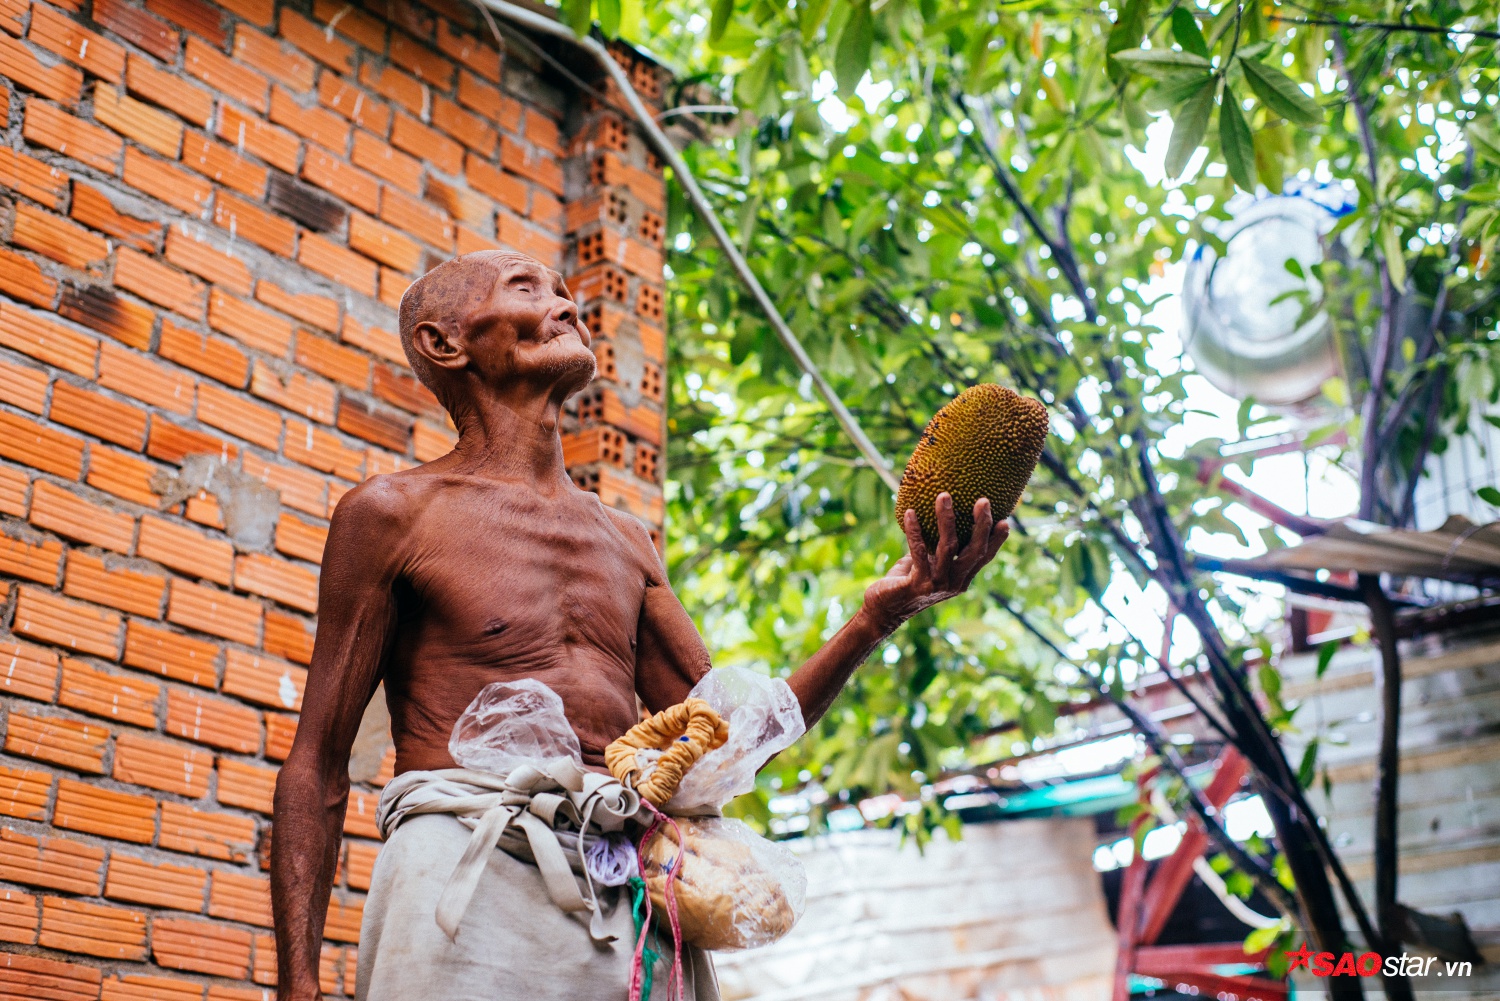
<point x="513" y="723"/>
<point x="764" y="719"/>
<point x="736" y="890"/>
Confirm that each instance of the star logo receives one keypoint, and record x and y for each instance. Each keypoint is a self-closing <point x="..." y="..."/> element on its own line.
<point x="1300" y="958"/>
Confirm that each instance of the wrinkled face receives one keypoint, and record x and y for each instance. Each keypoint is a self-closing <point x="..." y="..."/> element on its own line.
<point x="528" y="329"/>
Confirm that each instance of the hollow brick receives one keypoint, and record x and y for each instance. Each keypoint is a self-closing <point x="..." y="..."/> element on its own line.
<point x="249" y="134"/>
<point x="38" y="335"/>
<point x="55" y="237"/>
<point x="54" y="863"/>
<point x="336" y="177"/>
<point x="14" y="484"/>
<point x="320" y="311"/>
<point x="70" y="743"/>
<point x="162" y="764"/>
<point x="204" y="353"/>
<point x="155" y="282"/>
<point x="321" y="126"/>
<point x="332" y="52"/>
<point x="28" y="671"/>
<point x="103" y="310"/>
<point x="62" y="83"/>
<point x="27" y="442"/>
<point x="21" y="277"/>
<point x="167" y="89"/>
<point x="193" y="15"/>
<point x="24" y="792"/>
<point x="233" y="413"/>
<point x="216" y="722"/>
<point x="356" y="25"/>
<point x="221" y="163"/>
<point x="225" y="836"/>
<point x="179" y="887"/>
<point x="215" y="612"/>
<point x="250" y="222"/>
<point x="300" y="490"/>
<point x="429" y="144"/>
<point x="89" y="579"/>
<point x="348" y="99"/>
<point x="338" y="263"/>
<point x="359" y="818"/>
<point x="257" y="12"/>
<point x="170" y="654"/>
<point x="60" y="131"/>
<point x="134" y="987"/>
<point x="274" y="59"/>
<point x="396" y="86"/>
<point x="185" y="549"/>
<point x="93" y="929"/>
<point x="376" y="340"/>
<point x="418" y="218"/>
<point x="156" y="130"/>
<point x="59" y="510"/>
<point x="139" y="376"/>
<point x="125" y="476"/>
<point x="36" y="180"/>
<point x="468" y="128"/>
<point x="200" y="947"/>
<point x="278" y="580"/>
<point x="226" y="75"/>
<point x="248" y="323"/>
<point x="167" y="183"/>
<point x="122" y="697"/>
<point x="38" y="561"/>
<point x="138" y="27"/>
<point x="386" y="162"/>
<point x="264" y="680"/>
<point x="289" y="636"/>
<point x="94" y="209"/>
<point x="469" y="50"/>
<point x="237" y="896"/>
<point x="246" y="785"/>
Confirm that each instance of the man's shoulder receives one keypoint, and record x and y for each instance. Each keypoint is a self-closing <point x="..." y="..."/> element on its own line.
<point x="389" y="498"/>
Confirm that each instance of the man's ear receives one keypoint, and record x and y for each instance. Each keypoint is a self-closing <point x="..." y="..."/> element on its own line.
<point x="440" y="344"/>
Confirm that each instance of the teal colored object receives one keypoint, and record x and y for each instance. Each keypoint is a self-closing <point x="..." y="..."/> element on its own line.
<point x="649" y="956"/>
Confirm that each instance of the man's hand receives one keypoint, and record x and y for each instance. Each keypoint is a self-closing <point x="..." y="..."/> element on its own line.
<point x="919" y="581"/>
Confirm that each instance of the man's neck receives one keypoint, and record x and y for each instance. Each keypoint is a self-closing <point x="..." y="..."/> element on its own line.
<point x="512" y="437"/>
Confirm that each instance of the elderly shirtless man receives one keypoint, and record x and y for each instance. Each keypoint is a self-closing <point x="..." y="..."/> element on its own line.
<point x="489" y="564"/>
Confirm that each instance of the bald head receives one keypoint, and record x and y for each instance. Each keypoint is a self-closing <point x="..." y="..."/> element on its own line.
<point x="445" y="295"/>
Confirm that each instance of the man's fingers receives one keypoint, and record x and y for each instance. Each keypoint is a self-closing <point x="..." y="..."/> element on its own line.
<point x="984" y="522"/>
<point x="947" y="533"/>
<point x="914" y="542"/>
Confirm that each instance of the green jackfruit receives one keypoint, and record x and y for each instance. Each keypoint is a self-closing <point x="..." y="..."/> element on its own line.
<point x="984" y="443"/>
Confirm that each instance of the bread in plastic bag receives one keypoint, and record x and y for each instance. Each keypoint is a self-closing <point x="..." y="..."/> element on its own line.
<point x="764" y="719"/>
<point x="513" y="723"/>
<point x="736" y="889"/>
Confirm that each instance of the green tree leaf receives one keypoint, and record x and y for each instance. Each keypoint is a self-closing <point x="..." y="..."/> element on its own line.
<point x="723" y="10"/>
<point x="1489" y="495"/>
<point x="852" y="57"/>
<point x="1129" y="29"/>
<point x="609" y="17"/>
<point x="1279" y="93"/>
<point x="1236" y="143"/>
<point x="1162" y="62"/>
<point x="1189" y="126"/>
<point x="1325" y="656"/>
<point x="578" y="15"/>
<point x="1484" y="140"/>
<point x="1395" y="254"/>
<point x="1187" y="33"/>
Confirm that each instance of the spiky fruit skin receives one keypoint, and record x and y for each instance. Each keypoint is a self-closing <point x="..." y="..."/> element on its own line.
<point x="985" y="443"/>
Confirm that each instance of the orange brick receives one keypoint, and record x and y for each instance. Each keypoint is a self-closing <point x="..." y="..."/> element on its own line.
<point x="24" y="792"/>
<point x="228" y="76"/>
<point x="18" y="923"/>
<point x="253" y="223"/>
<point x="60" y="131"/>
<point x="60" y="510"/>
<point x="162" y="764"/>
<point x="228" y="411"/>
<point x="52" y="235"/>
<point x="467" y="128"/>
<point x="317" y="449"/>
<point x="31" y="561"/>
<point x="148" y="381"/>
<point x="264" y="680"/>
<point x="252" y="787"/>
<point x="203" y="509"/>
<point x="382" y="343"/>
<point x="320" y="126"/>
<point x="258" y="12"/>
<point x="289" y="636"/>
<point x="215" y="612"/>
<point x="393" y="285"/>
<point x="93" y="929"/>
<point x="132" y="987"/>
<point x="224" y="165"/>
<point x="274" y="59"/>
<point x="12" y="13"/>
<point x="70" y="743"/>
<point x="168" y="90"/>
<point x="517" y="235"/>
<point x="154" y="282"/>
<point x="23" y="387"/>
<point x="544" y="132"/>
<point x="294" y="537"/>
<point x="216" y="722"/>
<point x="465" y="206"/>
<point x="29" y="671"/>
<point x="333" y="361"/>
<point x="499" y="108"/>
<point x="99" y="415"/>
<point x="280" y="732"/>
<point x="190" y="250"/>
<point x="313" y="40"/>
<point x="125" y="476"/>
<point x="299" y="489"/>
<point x="194" y="15"/>
<point x="204" y="353"/>
<point x="49" y="618"/>
<point x="532" y="164"/>
<point x="422" y="220"/>
<point x="393" y="85"/>
<point x="400" y="389"/>
<point x="97" y="692"/>
<point x="385" y="162"/>
<point x="61" y="82"/>
<point x="312" y="398"/>
<point x="249" y="324"/>
<point x="137" y="120"/>
<point x="320" y="311"/>
<point x="352" y="23"/>
<point x="423" y="63"/>
<point x="375" y="425"/>
<point x="608" y="170"/>
<point x="504" y="188"/>
<point x="177" y="887"/>
<point x="469" y="242"/>
<point x="346" y="99"/>
<point x="426" y="144"/>
<point x="384" y="244"/>
<point x="55" y="863"/>
<point x="201" y="947"/>
<point x="468" y="50"/>
<point x="431" y="442"/>
<point x="89" y="579"/>
<point x="171" y="655"/>
<point x="359" y="820"/>
<point x="206" y="832"/>
<point x="339" y="179"/>
<point x="33" y="178"/>
<point x="278" y="580"/>
<point x="27" y="442"/>
<point x="171" y="442"/>
<point x="360" y="863"/>
<point x="185" y="549"/>
<point x="237" y="896"/>
<point x="104" y="311"/>
<point x="94" y="209"/>
<point x="20" y="277"/>
<point x="167" y="183"/>
<point x="13" y="486"/>
<point x="31" y="977"/>
<point x="37" y="335"/>
<point x="338" y="263"/>
<point x="246" y="133"/>
<point x="138" y="27"/>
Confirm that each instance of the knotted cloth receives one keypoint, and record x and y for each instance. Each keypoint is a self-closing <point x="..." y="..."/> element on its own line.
<point x="682" y="734"/>
<point x="547" y="814"/>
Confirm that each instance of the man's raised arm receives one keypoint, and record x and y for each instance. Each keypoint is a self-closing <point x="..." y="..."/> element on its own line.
<point x="356" y="618"/>
<point x="671" y="655"/>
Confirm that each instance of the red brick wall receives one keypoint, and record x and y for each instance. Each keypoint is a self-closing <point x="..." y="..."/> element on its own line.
<point x="207" y="216"/>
